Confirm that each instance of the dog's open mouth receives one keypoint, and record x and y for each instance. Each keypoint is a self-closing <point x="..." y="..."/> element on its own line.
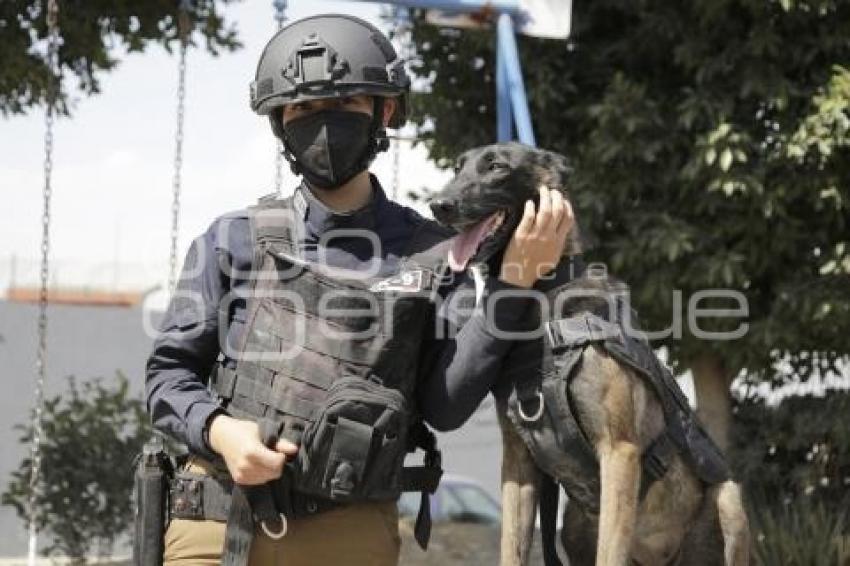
<point x="465" y="244"/>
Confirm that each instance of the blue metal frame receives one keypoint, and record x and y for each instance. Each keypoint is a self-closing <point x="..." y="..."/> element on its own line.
<point x="511" y="93"/>
<point x="502" y="6"/>
<point x="511" y="101"/>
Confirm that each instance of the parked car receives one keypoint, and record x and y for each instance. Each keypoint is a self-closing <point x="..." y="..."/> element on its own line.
<point x="458" y="499"/>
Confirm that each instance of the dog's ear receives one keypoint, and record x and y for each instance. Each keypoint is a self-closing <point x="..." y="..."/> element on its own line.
<point x="557" y="168"/>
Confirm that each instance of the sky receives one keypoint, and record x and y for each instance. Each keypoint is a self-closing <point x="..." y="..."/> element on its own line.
<point x="113" y="161"/>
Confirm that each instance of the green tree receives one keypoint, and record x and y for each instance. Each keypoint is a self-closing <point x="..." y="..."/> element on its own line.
<point x="710" y="140"/>
<point x="92" y="434"/>
<point x="92" y="32"/>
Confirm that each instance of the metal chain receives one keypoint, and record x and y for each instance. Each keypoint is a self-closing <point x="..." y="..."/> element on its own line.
<point x="41" y="355"/>
<point x="396" y="168"/>
<point x="278" y="169"/>
<point x="178" y="147"/>
<point x="280" y="16"/>
<point x="401" y="18"/>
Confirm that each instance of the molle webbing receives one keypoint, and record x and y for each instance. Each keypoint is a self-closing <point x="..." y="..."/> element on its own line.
<point x="329" y="360"/>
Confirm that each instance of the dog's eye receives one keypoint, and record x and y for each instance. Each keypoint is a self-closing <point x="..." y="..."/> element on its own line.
<point x="497" y="166"/>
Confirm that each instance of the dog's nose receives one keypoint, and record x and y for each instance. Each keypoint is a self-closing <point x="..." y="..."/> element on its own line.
<point x="443" y="208"/>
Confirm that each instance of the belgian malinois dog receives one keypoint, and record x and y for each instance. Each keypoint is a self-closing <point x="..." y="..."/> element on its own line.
<point x="680" y="520"/>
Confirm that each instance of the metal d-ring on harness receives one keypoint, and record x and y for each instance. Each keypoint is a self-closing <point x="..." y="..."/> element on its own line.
<point x="276" y="535"/>
<point x="53" y="89"/>
<point x="537" y="414"/>
<point x="576" y="331"/>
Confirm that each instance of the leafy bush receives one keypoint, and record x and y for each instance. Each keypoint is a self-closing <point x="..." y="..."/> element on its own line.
<point x="91" y="435"/>
<point x="800" y="447"/>
<point x="801" y="533"/>
<point x="794" y="462"/>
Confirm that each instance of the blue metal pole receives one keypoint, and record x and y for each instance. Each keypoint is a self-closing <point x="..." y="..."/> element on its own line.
<point x="504" y="116"/>
<point x="513" y="74"/>
<point x="502" y="6"/>
<point x="279" y="11"/>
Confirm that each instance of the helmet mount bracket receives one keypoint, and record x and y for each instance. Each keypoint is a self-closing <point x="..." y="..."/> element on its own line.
<point x="316" y="63"/>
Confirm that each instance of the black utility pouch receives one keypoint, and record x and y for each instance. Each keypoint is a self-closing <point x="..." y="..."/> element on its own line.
<point x="355" y="448"/>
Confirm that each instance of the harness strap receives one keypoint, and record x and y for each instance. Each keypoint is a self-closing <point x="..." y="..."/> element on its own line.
<point x="549" y="494"/>
<point x="424" y="478"/>
<point x="250" y="503"/>
<point x="239" y="531"/>
<point x="581" y="330"/>
<point x="656" y="460"/>
<point x="420" y="478"/>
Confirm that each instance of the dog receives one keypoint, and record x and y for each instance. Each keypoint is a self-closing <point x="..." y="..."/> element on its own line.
<point x="680" y="520"/>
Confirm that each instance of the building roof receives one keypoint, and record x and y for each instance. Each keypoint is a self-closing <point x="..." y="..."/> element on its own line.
<point x="77" y="296"/>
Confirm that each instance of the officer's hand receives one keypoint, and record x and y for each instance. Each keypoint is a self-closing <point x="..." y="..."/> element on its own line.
<point x="249" y="461"/>
<point x="539" y="239"/>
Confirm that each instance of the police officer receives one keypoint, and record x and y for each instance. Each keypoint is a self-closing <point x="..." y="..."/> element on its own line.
<point x="330" y="85"/>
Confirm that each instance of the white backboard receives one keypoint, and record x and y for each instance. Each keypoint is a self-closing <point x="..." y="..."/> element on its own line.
<point x="541" y="18"/>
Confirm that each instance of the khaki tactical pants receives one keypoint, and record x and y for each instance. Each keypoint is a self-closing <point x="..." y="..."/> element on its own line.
<point x="362" y="534"/>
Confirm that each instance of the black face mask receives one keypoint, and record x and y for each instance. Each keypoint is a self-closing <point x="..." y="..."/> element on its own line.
<point x="330" y="146"/>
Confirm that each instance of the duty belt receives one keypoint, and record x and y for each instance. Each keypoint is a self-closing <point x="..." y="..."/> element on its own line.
<point x="200" y="496"/>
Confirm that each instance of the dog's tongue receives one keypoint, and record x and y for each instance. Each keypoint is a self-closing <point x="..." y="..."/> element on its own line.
<point x="465" y="244"/>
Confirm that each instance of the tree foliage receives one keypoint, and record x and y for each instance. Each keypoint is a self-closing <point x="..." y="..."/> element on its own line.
<point x="92" y="33"/>
<point x="711" y="142"/>
<point x="91" y="437"/>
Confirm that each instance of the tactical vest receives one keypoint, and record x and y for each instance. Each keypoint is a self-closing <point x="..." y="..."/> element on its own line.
<point x="540" y="404"/>
<point x="329" y="360"/>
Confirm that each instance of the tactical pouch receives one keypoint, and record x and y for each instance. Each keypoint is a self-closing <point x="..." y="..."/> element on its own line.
<point x="355" y="448"/>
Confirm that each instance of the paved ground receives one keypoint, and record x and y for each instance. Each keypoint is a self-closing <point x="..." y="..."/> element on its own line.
<point x="457" y="544"/>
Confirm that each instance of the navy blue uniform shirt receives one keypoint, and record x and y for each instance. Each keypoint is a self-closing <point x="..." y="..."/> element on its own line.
<point x="458" y="371"/>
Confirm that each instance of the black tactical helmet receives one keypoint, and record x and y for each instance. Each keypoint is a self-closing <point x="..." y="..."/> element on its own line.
<point x="328" y="56"/>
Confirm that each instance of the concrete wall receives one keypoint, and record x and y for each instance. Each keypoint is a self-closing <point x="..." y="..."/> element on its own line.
<point x="89" y="342"/>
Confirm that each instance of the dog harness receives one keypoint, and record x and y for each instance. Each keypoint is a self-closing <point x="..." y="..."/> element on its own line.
<point x="542" y="409"/>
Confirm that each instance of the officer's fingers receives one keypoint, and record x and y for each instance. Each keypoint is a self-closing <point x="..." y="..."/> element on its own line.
<point x="286" y="447"/>
<point x="269" y="459"/>
<point x="526" y="223"/>
<point x="248" y="472"/>
<point x="543" y="222"/>
<point x="558" y="208"/>
<point x="567" y="220"/>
